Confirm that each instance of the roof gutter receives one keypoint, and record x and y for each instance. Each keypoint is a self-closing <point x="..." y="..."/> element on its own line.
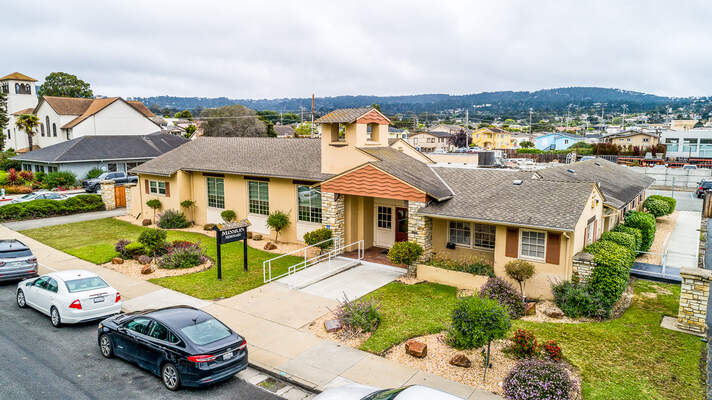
<point x="486" y="221"/>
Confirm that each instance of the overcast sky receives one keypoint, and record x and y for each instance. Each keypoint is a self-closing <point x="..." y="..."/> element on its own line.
<point x="268" y="49"/>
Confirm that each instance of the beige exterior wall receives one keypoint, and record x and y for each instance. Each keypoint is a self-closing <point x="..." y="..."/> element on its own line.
<point x="593" y="208"/>
<point x="428" y="142"/>
<point x="340" y="155"/>
<point x="455" y="158"/>
<point x="409" y="150"/>
<point x="440" y="239"/>
<point x="635" y="140"/>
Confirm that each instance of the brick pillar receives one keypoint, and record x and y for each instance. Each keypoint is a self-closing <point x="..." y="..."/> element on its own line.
<point x="332" y="205"/>
<point x="107" y="194"/>
<point x="583" y="266"/>
<point x="694" y="294"/>
<point x="420" y="230"/>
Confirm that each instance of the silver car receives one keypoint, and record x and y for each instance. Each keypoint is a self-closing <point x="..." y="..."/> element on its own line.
<point x="362" y="392"/>
<point x="38" y="196"/>
<point x="16" y="261"/>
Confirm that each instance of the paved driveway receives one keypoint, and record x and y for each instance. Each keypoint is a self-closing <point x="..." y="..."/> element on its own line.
<point x="64" y="219"/>
<point x="686" y="201"/>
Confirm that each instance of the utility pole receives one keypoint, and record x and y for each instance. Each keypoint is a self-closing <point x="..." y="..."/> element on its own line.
<point x="531" y="111"/>
<point x="312" y="124"/>
<point x="467" y="126"/>
<point x="301" y="114"/>
<point x="625" y="108"/>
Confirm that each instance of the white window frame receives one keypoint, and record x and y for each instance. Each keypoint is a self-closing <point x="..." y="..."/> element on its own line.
<point x="154" y="187"/>
<point x="389" y="222"/>
<point x="312" y="213"/>
<point x="217" y="196"/>
<point x="521" y="243"/>
<point x="249" y="208"/>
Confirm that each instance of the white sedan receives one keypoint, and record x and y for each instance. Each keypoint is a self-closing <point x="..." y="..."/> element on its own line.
<point x="362" y="392"/>
<point x="69" y="297"/>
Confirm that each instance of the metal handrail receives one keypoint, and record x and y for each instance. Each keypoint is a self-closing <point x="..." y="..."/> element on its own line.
<point x="267" y="264"/>
<point x="308" y="262"/>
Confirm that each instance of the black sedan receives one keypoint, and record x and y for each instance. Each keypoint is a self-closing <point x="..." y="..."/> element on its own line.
<point x="183" y="345"/>
<point x="704" y="186"/>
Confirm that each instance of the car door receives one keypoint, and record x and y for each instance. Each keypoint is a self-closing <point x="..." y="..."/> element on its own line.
<point x="156" y="346"/>
<point x="31" y="291"/>
<point x="127" y="343"/>
<point x="44" y="294"/>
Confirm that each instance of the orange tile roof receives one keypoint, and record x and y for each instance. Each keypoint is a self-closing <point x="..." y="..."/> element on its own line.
<point x="25" y="111"/>
<point x="140" y="107"/>
<point x="16" y="76"/>
<point x="95" y="106"/>
<point x="67" y="105"/>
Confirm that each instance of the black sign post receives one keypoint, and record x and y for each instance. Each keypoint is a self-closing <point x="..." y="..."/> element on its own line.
<point x="228" y="233"/>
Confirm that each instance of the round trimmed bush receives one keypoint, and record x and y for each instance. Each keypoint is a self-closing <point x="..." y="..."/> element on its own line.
<point x="671" y="202"/>
<point x="534" y="379"/>
<point x="612" y="271"/>
<point x="228" y="215"/>
<point x="405" y="253"/>
<point x="134" y="249"/>
<point x="576" y="300"/>
<point x="153" y="240"/>
<point x="501" y="291"/>
<point x="520" y="271"/>
<point x="624" y="239"/>
<point x="646" y="223"/>
<point x="635" y="232"/>
<point x="656" y="207"/>
<point x="172" y="219"/>
<point x="317" y="236"/>
<point x="477" y="321"/>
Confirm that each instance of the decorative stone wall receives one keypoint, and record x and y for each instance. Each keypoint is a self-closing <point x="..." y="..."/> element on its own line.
<point x="130" y="187"/>
<point x="694" y="294"/>
<point x="420" y="229"/>
<point x="332" y="206"/>
<point x="107" y="194"/>
<point x="583" y="266"/>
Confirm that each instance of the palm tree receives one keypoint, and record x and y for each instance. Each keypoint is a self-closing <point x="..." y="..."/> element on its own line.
<point x="28" y="123"/>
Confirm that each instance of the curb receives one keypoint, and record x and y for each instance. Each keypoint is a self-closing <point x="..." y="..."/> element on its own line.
<point x="300" y="383"/>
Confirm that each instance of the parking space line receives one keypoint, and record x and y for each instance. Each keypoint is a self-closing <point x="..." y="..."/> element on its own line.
<point x="48" y="267"/>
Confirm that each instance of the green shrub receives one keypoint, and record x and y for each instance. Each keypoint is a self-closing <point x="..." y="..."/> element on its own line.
<point x="524" y="344"/>
<point x="120" y="247"/>
<point x="534" y="379"/>
<point x="172" y="219"/>
<point x="319" y="235"/>
<point x="635" y="232"/>
<point x="277" y="221"/>
<point x="576" y="300"/>
<point x="40" y="176"/>
<point x="497" y="289"/>
<point x="612" y="271"/>
<point x="94" y="172"/>
<point x="49" y="208"/>
<point x="182" y="255"/>
<point x="624" y="239"/>
<point x="656" y="207"/>
<point x="520" y="271"/>
<point x="670" y="201"/>
<point x="360" y="315"/>
<point x="474" y="266"/>
<point x="208" y="227"/>
<point x="134" y="249"/>
<point x="59" y="179"/>
<point x="228" y="215"/>
<point x="405" y="253"/>
<point x="476" y="321"/>
<point x="646" y="223"/>
<point x="153" y="240"/>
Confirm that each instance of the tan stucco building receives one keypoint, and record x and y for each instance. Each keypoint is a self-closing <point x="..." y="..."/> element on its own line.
<point x="363" y="187"/>
<point x="633" y="138"/>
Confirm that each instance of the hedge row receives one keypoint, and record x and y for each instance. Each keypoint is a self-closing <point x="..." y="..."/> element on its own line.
<point x="645" y="222"/>
<point x="670" y="201"/>
<point x="612" y="271"/>
<point x="624" y="239"/>
<point x="637" y="235"/>
<point x="49" y="208"/>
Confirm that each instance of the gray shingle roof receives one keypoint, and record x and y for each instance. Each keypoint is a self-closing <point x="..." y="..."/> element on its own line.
<point x="409" y="170"/>
<point x="261" y="156"/>
<point x="619" y="184"/>
<point x="105" y="147"/>
<point x="344" y="115"/>
<point x="488" y="195"/>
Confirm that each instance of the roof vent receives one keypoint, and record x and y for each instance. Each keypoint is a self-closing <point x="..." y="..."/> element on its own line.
<point x="571" y="170"/>
<point x="518" y="182"/>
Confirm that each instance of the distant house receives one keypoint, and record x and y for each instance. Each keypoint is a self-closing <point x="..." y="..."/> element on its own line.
<point x="395" y="133"/>
<point x="446" y="128"/>
<point x="430" y="141"/>
<point x="492" y="138"/>
<point x="112" y="153"/>
<point x="556" y="141"/>
<point x="633" y="138"/>
<point x="682" y="124"/>
<point x="284" y="130"/>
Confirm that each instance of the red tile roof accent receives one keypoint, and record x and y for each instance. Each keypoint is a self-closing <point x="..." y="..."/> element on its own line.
<point x="373" y="117"/>
<point x="371" y="182"/>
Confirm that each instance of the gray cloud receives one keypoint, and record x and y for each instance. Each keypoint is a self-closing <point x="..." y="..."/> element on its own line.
<point x="291" y="49"/>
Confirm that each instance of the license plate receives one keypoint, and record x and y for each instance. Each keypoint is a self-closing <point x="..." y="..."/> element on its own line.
<point x="228" y="356"/>
<point x="98" y="299"/>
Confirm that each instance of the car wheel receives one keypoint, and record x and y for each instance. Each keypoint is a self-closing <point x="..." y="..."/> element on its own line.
<point x="170" y="376"/>
<point x="54" y="317"/>
<point x="105" y="345"/>
<point x="21" y="302"/>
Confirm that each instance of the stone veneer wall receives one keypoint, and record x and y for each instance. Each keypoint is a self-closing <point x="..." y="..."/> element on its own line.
<point x="694" y="294"/>
<point x="583" y="266"/>
<point x="107" y="194"/>
<point x="420" y="229"/>
<point x="130" y="187"/>
<point x="332" y="206"/>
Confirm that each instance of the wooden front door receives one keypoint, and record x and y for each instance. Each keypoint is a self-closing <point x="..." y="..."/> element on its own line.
<point x="401" y="224"/>
<point x="120" y="196"/>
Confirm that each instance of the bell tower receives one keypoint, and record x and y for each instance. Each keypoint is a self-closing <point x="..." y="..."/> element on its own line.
<point x="20" y="90"/>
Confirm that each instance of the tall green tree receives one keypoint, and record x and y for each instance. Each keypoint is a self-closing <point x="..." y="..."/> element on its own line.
<point x="63" y="84"/>
<point x="183" y="114"/>
<point x="4" y="118"/>
<point x="28" y="123"/>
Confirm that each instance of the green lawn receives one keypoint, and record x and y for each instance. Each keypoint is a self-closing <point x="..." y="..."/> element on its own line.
<point x="94" y="241"/>
<point x="631" y="357"/>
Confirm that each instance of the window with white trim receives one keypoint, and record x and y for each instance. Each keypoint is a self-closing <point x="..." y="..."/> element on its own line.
<point x="258" y="197"/>
<point x="216" y="192"/>
<point x="460" y="233"/>
<point x="385" y="215"/>
<point x="157" y="187"/>
<point x="484" y="236"/>
<point x="309" y="204"/>
<point x="533" y="244"/>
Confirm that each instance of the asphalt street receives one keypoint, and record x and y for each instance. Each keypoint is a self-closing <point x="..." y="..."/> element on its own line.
<point x="41" y="362"/>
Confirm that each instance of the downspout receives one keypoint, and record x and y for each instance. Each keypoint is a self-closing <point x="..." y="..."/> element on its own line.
<point x="569" y="256"/>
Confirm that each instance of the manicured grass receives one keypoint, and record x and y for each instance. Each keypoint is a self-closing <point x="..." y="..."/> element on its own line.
<point x="631" y="357"/>
<point x="94" y="241"/>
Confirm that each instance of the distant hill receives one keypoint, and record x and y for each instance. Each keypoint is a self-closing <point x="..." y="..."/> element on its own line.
<point x="508" y="102"/>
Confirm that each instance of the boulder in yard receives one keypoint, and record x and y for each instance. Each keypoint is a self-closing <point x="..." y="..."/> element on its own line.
<point x="146" y="222"/>
<point x="249" y="234"/>
<point x="117" y="260"/>
<point x="416" y="348"/>
<point x="257" y="236"/>
<point x="553" y="311"/>
<point x="270" y="246"/>
<point x="461" y="360"/>
<point x="332" y="325"/>
<point x="146" y="269"/>
<point x="530" y="308"/>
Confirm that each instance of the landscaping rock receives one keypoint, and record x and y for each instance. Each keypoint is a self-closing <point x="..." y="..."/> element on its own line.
<point x="332" y="325"/>
<point x="416" y="348"/>
<point x="117" y="260"/>
<point x="461" y="360"/>
<point x="270" y="246"/>
<point x="146" y="269"/>
<point x="530" y="308"/>
<point x="249" y="235"/>
<point x="553" y="311"/>
<point x="257" y="236"/>
<point x="146" y="222"/>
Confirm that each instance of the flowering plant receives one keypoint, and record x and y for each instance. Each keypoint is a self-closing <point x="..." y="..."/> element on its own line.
<point x="524" y="344"/>
<point x="552" y="350"/>
<point x="534" y="379"/>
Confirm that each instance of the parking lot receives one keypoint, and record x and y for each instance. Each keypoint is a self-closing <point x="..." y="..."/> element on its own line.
<point x="686" y="201"/>
<point x="41" y="362"/>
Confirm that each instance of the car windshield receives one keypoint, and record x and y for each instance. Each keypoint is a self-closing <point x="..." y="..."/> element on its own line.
<point x="29" y="195"/>
<point x="15" y="253"/>
<point x="388" y="394"/>
<point x="707" y="184"/>
<point x="206" y="332"/>
<point x="84" y="284"/>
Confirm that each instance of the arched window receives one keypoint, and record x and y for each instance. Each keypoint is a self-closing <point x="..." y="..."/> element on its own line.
<point x="47" y="123"/>
<point x="17" y="88"/>
<point x="54" y="130"/>
<point x="42" y="129"/>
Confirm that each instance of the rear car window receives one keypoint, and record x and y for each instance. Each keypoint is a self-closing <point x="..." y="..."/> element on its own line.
<point x="15" y="253"/>
<point x="84" y="284"/>
<point x="206" y="332"/>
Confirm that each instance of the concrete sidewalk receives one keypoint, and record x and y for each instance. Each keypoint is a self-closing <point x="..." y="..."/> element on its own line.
<point x="275" y="320"/>
<point x="683" y="244"/>
<point x="64" y="219"/>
